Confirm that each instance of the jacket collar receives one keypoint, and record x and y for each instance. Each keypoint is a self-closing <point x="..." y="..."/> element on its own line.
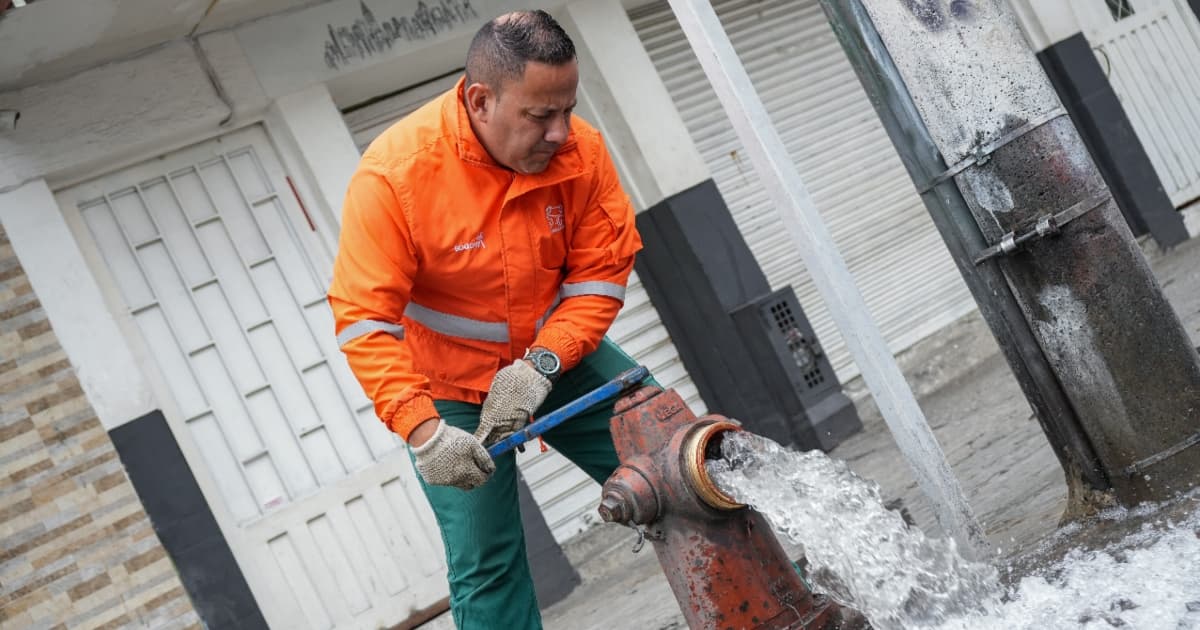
<point x="567" y="164"/>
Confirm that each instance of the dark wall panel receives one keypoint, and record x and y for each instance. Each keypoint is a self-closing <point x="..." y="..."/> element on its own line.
<point x="1094" y="107"/>
<point x="185" y="524"/>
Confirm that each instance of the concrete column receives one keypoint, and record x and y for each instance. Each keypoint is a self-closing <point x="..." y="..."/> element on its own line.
<point x="310" y="124"/>
<point x="631" y="106"/>
<point x="62" y="280"/>
<point x="696" y="266"/>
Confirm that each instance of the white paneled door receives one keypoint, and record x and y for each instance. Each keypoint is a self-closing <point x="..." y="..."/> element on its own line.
<point x="1150" y="50"/>
<point x="218" y="274"/>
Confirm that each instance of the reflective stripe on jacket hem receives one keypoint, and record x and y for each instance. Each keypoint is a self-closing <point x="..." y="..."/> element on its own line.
<point x="467" y="328"/>
<point x="457" y="326"/>
<point x="366" y="327"/>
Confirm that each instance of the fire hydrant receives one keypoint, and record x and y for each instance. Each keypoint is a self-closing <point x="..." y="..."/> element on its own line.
<point x="723" y="562"/>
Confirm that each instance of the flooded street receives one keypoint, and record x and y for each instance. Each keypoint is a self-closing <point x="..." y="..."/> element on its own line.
<point x="1125" y="568"/>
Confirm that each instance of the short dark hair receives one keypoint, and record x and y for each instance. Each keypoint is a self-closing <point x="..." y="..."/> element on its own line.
<point x="500" y="50"/>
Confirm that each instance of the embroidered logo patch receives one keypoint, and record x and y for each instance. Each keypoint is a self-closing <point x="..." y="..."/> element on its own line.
<point x="554" y="218"/>
<point x="475" y="243"/>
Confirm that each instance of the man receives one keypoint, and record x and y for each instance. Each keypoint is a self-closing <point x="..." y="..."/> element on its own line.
<point x="485" y="248"/>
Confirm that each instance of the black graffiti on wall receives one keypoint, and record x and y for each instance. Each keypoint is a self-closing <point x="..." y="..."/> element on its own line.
<point x="934" y="13"/>
<point x="368" y="37"/>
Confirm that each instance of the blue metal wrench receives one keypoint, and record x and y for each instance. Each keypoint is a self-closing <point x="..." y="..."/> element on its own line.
<point x="625" y="380"/>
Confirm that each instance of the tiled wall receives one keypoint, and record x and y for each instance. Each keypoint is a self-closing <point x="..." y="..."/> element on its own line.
<point x="76" y="547"/>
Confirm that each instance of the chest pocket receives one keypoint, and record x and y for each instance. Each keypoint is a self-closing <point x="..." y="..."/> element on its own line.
<point x="552" y="251"/>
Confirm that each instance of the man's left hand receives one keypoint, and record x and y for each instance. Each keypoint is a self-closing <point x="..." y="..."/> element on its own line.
<point x="516" y="392"/>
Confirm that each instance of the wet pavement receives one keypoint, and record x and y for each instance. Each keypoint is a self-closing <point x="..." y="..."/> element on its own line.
<point x="985" y="427"/>
<point x="1105" y="530"/>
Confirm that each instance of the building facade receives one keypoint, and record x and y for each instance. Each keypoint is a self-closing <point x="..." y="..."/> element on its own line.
<point x="182" y="441"/>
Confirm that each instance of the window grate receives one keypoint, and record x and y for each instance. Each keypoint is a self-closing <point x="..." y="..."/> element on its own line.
<point x="814" y="377"/>
<point x="1119" y="9"/>
<point x="801" y="348"/>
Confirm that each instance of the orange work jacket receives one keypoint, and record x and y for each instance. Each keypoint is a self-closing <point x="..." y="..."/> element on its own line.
<point x="450" y="266"/>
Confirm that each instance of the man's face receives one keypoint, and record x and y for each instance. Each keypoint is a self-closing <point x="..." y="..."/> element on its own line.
<point x="525" y="124"/>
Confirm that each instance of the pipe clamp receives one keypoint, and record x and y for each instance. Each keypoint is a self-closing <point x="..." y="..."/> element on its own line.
<point x="1047" y="225"/>
<point x="981" y="154"/>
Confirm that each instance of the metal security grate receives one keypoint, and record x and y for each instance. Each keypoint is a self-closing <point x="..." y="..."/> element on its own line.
<point x="804" y="351"/>
<point x="833" y="135"/>
<point x="814" y="377"/>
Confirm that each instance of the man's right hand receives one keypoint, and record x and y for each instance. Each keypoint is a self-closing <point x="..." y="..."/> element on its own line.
<point x="451" y="457"/>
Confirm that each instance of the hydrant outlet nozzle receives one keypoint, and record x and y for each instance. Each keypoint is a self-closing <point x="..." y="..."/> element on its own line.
<point x="724" y="565"/>
<point x="704" y="444"/>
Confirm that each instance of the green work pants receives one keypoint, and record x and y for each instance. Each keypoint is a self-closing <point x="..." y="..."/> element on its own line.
<point x="490" y="583"/>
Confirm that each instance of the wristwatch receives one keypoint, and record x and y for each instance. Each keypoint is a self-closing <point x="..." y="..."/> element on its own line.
<point x="545" y="362"/>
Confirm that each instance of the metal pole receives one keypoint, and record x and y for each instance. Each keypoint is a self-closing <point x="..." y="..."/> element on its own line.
<point x="896" y="401"/>
<point x="1113" y="343"/>
<point x="952" y="217"/>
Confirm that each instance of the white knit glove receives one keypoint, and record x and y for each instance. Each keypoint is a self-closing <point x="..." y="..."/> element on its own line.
<point x="517" y="391"/>
<point x="451" y="457"/>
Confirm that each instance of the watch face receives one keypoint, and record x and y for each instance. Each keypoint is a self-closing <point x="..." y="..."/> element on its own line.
<point x="547" y="362"/>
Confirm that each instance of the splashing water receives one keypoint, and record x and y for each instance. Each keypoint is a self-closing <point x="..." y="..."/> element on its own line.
<point x="866" y="556"/>
<point x="859" y="552"/>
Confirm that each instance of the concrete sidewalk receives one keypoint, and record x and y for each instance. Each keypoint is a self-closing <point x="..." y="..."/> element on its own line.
<point x="985" y="427"/>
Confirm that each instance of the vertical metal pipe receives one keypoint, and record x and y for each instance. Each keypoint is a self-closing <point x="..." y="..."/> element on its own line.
<point x="952" y="217"/>
<point x="1104" y="360"/>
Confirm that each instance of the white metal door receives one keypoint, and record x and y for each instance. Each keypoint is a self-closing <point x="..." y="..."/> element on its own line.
<point x="212" y="263"/>
<point x="566" y="495"/>
<point x="841" y="150"/>
<point x="1151" y="52"/>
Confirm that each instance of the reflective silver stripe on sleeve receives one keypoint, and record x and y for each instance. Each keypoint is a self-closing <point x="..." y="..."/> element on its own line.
<point x="366" y="327"/>
<point x="550" y="311"/>
<point x="457" y="326"/>
<point x="595" y="287"/>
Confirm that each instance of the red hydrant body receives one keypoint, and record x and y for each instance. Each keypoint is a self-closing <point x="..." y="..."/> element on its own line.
<point x="723" y="562"/>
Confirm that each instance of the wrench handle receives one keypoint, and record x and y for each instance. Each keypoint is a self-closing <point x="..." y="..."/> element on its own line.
<point x="625" y="380"/>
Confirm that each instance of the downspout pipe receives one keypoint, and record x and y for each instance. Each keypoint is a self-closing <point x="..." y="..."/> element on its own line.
<point x="1097" y="350"/>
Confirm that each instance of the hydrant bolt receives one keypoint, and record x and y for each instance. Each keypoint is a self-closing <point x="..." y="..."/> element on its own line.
<point x="628" y="498"/>
<point x="613" y="509"/>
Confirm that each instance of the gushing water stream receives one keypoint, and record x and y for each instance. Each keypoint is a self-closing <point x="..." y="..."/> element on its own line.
<point x="865" y="555"/>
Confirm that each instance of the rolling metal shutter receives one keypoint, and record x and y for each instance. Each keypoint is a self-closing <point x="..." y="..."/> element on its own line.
<point x="841" y="150"/>
<point x="567" y="496"/>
